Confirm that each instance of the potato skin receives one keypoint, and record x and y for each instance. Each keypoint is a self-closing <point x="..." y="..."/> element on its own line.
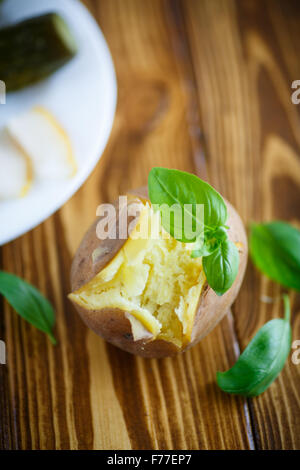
<point x="111" y="323"/>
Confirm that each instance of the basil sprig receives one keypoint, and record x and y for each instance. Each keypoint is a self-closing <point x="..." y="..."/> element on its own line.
<point x="28" y="302"/>
<point x="222" y="266"/>
<point x="262" y="360"/>
<point x="170" y="188"/>
<point x="208" y="243"/>
<point x="275" y="250"/>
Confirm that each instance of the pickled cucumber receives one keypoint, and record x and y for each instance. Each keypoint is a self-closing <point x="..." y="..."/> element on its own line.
<point x="33" y="49"/>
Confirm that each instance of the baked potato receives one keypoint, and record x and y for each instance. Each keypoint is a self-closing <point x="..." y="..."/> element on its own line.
<point x="148" y="296"/>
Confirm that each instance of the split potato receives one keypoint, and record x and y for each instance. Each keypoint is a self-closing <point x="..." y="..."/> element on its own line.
<point x="147" y="295"/>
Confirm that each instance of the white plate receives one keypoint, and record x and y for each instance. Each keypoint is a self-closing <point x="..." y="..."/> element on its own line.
<point x="82" y="96"/>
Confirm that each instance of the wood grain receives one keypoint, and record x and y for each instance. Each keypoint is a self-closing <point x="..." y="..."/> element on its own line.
<point x="252" y="123"/>
<point x="204" y="86"/>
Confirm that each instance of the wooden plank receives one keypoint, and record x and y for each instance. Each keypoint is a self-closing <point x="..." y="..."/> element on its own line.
<point x="245" y="55"/>
<point x="84" y="393"/>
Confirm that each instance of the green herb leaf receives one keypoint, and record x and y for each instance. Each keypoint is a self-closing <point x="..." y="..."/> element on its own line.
<point x="28" y="302"/>
<point x="262" y="360"/>
<point x="221" y="267"/>
<point x="209" y="242"/>
<point x="275" y="250"/>
<point x="205" y="248"/>
<point x="174" y="187"/>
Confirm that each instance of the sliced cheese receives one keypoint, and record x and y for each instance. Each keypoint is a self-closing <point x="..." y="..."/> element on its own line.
<point x="15" y="169"/>
<point x="41" y="137"/>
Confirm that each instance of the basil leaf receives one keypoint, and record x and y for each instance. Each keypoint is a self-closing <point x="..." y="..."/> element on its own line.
<point x="28" y="302"/>
<point x="275" y="250"/>
<point x="204" y="248"/>
<point x="221" y="267"/>
<point x="174" y="187"/>
<point x="262" y="360"/>
<point x="208" y="243"/>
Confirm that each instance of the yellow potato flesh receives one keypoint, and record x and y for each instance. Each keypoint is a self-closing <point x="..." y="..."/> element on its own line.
<point x="154" y="280"/>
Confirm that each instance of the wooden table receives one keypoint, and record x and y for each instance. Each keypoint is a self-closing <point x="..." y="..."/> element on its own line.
<point x="204" y="86"/>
